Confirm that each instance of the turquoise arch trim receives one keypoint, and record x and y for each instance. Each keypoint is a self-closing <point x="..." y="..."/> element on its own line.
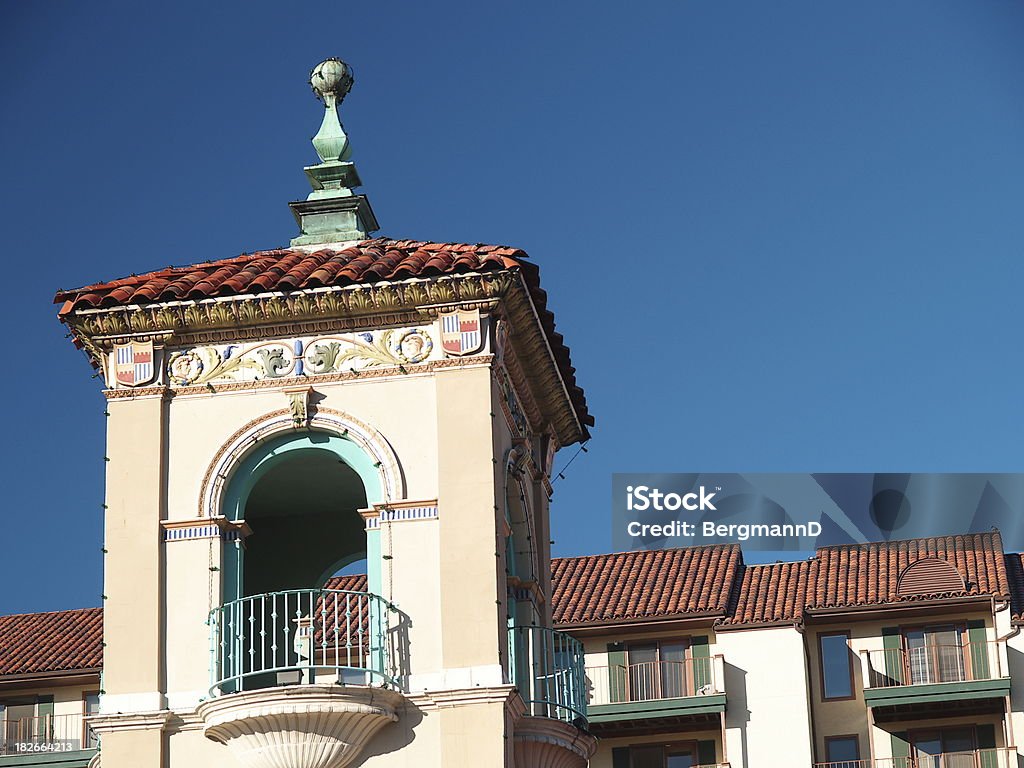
<point x="268" y="453"/>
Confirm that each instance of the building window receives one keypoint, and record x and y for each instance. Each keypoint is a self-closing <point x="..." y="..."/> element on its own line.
<point x="842" y="749"/>
<point x="658" y="672"/>
<point x="681" y="755"/>
<point x="836" y="670"/>
<point x="955" y="741"/>
<point x="90" y="739"/>
<point x="936" y="655"/>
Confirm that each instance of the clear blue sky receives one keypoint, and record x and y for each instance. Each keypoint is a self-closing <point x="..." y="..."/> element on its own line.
<point x="781" y="236"/>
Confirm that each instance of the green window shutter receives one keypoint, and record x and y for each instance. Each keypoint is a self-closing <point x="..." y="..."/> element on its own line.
<point x="706" y="752"/>
<point x="617" y="675"/>
<point x="988" y="757"/>
<point x="44" y="718"/>
<point x="978" y="649"/>
<point x="900" y="750"/>
<point x="700" y="652"/>
<point x="620" y="757"/>
<point x="892" y="643"/>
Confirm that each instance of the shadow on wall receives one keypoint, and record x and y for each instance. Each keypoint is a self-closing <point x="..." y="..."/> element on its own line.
<point x="393" y="737"/>
<point x="737" y="715"/>
<point x="400" y="645"/>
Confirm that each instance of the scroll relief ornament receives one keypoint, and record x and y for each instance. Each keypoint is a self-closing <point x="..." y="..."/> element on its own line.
<point x="297" y="357"/>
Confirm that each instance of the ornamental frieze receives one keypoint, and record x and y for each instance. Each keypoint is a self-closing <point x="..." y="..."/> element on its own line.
<point x="308" y="356"/>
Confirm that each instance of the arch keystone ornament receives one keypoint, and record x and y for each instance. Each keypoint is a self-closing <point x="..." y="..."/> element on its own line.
<point x="307" y="726"/>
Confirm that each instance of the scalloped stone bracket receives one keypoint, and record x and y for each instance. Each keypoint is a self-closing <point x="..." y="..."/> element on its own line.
<point x="307" y="726"/>
<point x="544" y="742"/>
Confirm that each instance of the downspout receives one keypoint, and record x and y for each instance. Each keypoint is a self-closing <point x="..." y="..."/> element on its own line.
<point x="999" y="607"/>
<point x="799" y="627"/>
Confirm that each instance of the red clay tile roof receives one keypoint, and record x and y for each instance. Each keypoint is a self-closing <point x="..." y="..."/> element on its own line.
<point x="354" y="583"/>
<point x="51" y="642"/>
<point x="642" y="585"/>
<point x="867" y="574"/>
<point x="676" y="582"/>
<point x="770" y="594"/>
<point x="1015" y="577"/>
<point x="285" y="270"/>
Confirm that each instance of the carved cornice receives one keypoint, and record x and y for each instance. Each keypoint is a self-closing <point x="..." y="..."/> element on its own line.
<point x="345" y="309"/>
<point x="328" y="309"/>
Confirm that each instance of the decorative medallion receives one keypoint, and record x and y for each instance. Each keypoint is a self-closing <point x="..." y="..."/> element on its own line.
<point x="461" y="332"/>
<point x="411" y="345"/>
<point x="133" y="363"/>
<point x="184" y="368"/>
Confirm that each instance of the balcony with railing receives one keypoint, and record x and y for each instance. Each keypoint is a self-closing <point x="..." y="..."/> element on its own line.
<point x="935" y="674"/>
<point x="546" y="667"/>
<point x="981" y="758"/>
<point x="318" y="669"/>
<point x="65" y="740"/>
<point x="689" y="692"/>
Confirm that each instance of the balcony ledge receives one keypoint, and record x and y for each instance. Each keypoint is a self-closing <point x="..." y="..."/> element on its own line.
<point x="901" y="695"/>
<point x="299" y="726"/>
<point x="546" y="741"/>
<point x="638" y="710"/>
<point x="79" y="758"/>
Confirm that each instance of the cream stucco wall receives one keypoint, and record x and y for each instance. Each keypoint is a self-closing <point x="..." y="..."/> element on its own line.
<point x="445" y="575"/>
<point x="766" y="682"/>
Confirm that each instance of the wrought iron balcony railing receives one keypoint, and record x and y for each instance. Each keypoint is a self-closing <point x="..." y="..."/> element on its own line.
<point x="304" y="636"/>
<point x="655" y="680"/>
<point x="982" y="758"/>
<point x="547" y="667"/>
<point x="45" y="734"/>
<point x="934" y="664"/>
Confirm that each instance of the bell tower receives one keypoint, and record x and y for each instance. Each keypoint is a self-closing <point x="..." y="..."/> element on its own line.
<point x="326" y="527"/>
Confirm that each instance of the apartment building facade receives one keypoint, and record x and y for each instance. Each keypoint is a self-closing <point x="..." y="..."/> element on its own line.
<point x="902" y="654"/>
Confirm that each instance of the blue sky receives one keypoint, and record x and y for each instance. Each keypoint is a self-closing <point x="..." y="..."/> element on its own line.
<point x="778" y="237"/>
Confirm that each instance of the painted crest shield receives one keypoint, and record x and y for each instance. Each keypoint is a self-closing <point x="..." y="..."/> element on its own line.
<point x="133" y="363"/>
<point x="461" y="332"/>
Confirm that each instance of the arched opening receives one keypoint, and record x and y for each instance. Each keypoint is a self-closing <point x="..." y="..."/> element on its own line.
<point x="300" y="494"/>
<point x="304" y="520"/>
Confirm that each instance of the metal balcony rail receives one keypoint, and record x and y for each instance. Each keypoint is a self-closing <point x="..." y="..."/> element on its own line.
<point x="930" y="664"/>
<point x="303" y="636"/>
<point x="547" y="667"/>
<point x="654" y="680"/>
<point x="45" y="734"/>
<point x="982" y="758"/>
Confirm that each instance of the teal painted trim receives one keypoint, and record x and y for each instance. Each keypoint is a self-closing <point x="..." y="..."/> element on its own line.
<point x="374" y="577"/>
<point x="264" y="456"/>
<point x="78" y="759"/>
<point x="268" y="453"/>
<point x="641" y="710"/>
<point x="938" y="692"/>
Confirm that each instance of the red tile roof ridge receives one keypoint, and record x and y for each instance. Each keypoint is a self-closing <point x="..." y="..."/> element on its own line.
<point x="47" y="613"/>
<point x="248" y="256"/>
<point x="994" y="534"/>
<point x="725" y="545"/>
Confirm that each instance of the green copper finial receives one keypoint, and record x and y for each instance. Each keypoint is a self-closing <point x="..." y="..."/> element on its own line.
<point x="331" y="80"/>
<point x="332" y="212"/>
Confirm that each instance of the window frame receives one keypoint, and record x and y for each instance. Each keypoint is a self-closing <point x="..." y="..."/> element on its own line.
<point x="688" y="674"/>
<point x="666" y="749"/>
<point x="843" y="737"/>
<point x="960" y="627"/>
<point x="849" y="663"/>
